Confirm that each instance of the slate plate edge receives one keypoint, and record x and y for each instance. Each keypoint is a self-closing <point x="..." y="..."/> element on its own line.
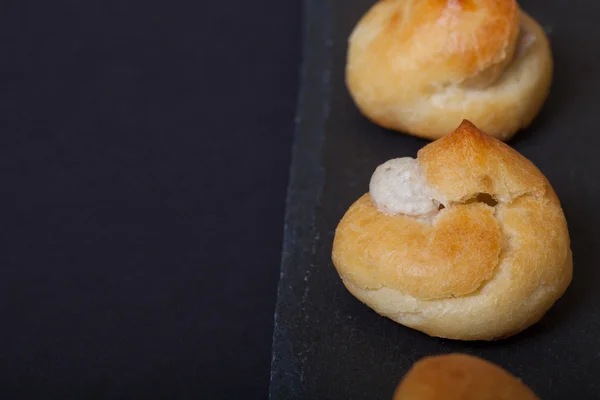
<point x="307" y="178"/>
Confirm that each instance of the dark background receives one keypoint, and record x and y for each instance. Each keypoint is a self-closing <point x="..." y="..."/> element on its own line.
<point x="144" y="159"/>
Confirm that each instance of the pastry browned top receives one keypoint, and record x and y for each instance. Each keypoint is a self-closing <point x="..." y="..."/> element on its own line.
<point x="460" y="377"/>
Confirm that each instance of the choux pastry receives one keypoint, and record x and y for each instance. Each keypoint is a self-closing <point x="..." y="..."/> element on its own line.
<point x="467" y="241"/>
<point x="422" y="66"/>
<point x="460" y="377"/>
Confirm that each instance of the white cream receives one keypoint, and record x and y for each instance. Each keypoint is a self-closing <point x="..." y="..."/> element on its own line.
<point x="398" y="187"/>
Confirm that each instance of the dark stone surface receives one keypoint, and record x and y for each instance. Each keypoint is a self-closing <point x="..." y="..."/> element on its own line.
<point x="144" y="161"/>
<point x="327" y="344"/>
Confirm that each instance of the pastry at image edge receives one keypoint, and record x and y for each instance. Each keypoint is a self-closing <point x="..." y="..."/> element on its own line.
<point x="460" y="377"/>
<point x="472" y="244"/>
<point x="422" y="66"/>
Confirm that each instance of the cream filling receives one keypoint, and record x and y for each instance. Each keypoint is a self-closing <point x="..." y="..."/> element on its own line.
<point x="399" y="187"/>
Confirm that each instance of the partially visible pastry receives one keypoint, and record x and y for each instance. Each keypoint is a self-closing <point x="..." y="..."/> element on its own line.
<point x="422" y="66"/>
<point x="460" y="377"/>
<point x="468" y="241"/>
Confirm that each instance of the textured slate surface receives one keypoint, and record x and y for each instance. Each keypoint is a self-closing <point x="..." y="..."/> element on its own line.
<point x="327" y="345"/>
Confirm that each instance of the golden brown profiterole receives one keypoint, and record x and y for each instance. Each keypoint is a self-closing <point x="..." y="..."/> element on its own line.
<point x="468" y="241"/>
<point x="460" y="377"/>
<point x="422" y="66"/>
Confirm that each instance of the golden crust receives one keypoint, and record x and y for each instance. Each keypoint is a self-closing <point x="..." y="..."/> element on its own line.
<point x="468" y="162"/>
<point x="473" y="271"/>
<point x="434" y="262"/>
<point x="460" y="377"/>
<point x="421" y="66"/>
<point x="446" y="41"/>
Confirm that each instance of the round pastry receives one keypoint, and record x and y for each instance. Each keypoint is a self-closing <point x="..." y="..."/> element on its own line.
<point x="460" y="377"/>
<point x="467" y="242"/>
<point x="422" y="66"/>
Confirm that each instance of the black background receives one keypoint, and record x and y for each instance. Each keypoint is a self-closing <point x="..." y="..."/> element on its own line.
<point x="328" y="345"/>
<point x="144" y="154"/>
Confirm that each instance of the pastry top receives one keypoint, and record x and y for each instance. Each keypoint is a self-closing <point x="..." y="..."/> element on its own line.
<point x="500" y="225"/>
<point x="460" y="377"/>
<point x="439" y="42"/>
<point x="422" y="66"/>
<point x="468" y="162"/>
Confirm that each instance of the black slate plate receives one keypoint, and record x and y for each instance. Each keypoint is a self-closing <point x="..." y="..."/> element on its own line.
<point x="327" y="345"/>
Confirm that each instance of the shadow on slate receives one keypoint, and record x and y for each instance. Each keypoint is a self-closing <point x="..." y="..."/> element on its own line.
<point x="327" y="345"/>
